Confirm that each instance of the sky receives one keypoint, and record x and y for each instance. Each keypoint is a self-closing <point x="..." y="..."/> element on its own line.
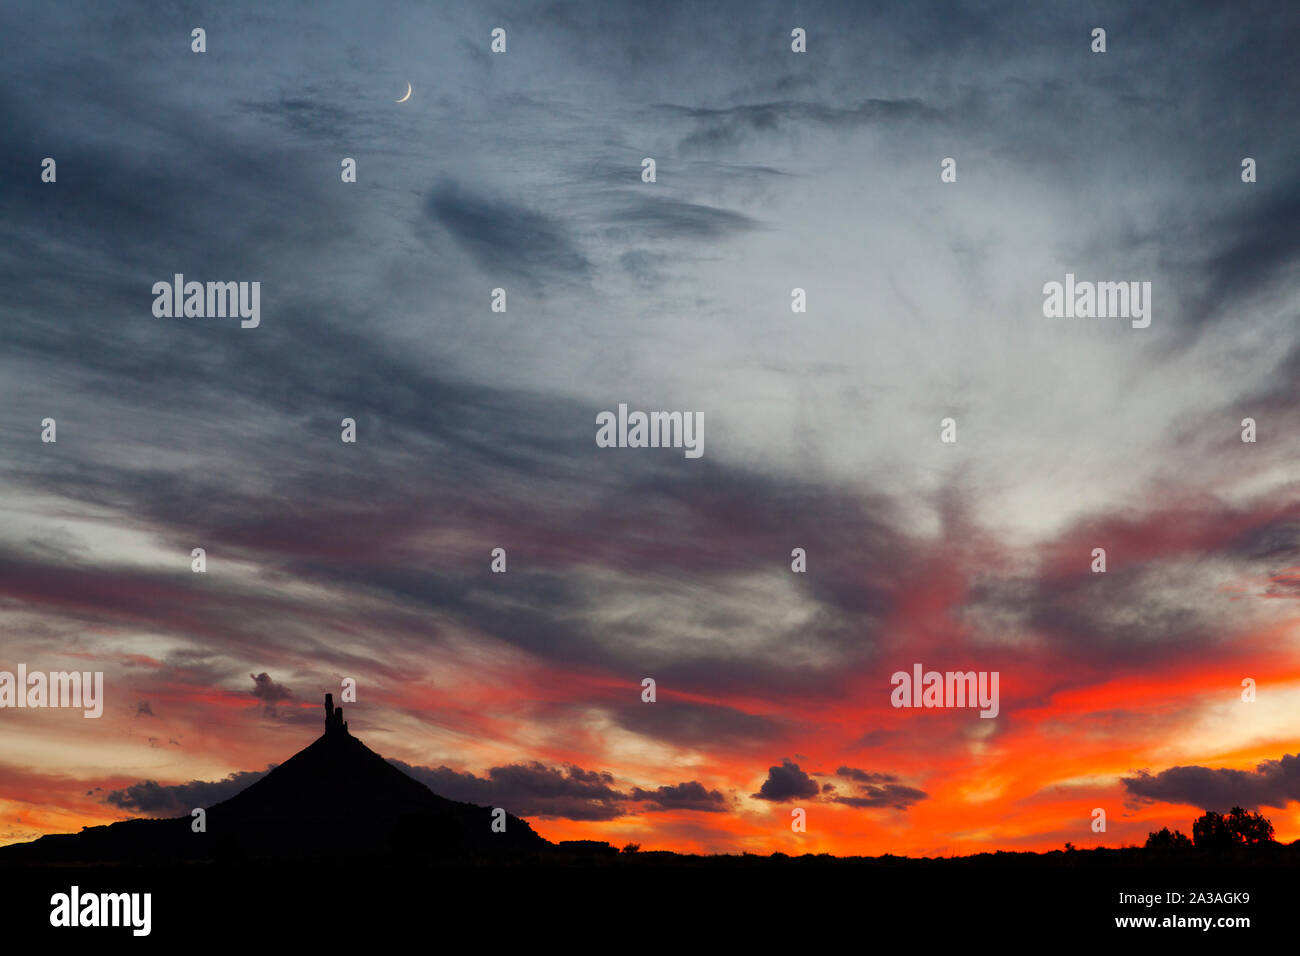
<point x="475" y="429"/>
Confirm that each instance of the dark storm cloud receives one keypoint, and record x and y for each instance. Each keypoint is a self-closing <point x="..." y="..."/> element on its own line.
<point x="691" y="795"/>
<point x="1273" y="783"/>
<point x="875" y="790"/>
<point x="152" y="799"/>
<point x="528" y="789"/>
<point x="787" y="782"/>
<point x="506" y="237"/>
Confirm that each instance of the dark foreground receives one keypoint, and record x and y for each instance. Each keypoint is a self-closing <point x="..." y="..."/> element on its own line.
<point x="612" y="902"/>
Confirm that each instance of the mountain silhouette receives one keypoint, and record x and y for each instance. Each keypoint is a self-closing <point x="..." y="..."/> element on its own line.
<point x="336" y="797"/>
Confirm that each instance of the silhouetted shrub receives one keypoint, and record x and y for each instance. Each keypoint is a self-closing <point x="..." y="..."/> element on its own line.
<point x="1217" y="831"/>
<point x="1166" y="839"/>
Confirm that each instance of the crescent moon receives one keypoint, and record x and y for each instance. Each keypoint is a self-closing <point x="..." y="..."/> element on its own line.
<point x="407" y="96"/>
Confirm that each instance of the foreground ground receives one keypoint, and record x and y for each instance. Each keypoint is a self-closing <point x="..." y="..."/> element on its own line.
<point x="599" y="901"/>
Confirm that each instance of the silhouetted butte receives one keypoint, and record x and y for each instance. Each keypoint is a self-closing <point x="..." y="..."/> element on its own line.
<point x="335" y="798"/>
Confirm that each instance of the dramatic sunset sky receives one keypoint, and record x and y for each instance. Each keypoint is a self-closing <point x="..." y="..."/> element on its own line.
<point x="476" y="429"/>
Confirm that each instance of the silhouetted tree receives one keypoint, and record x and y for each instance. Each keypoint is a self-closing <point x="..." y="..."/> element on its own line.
<point x="1210" y="831"/>
<point x="1216" y="831"/>
<point x="1165" y="839"/>
<point x="1249" y="828"/>
<point x="631" y="847"/>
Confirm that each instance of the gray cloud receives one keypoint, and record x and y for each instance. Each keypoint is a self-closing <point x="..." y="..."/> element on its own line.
<point x="155" y="800"/>
<point x="865" y="776"/>
<point x="269" y="692"/>
<point x="874" y="790"/>
<point x="892" y="795"/>
<point x="312" y="115"/>
<point x="787" y="782"/>
<point x="691" y="795"/>
<point x="728" y="127"/>
<point x="1273" y="783"/>
<point x="1256" y="247"/>
<point x="529" y="789"/>
<point x="535" y="790"/>
<point x="505" y="237"/>
<point x="678" y="220"/>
